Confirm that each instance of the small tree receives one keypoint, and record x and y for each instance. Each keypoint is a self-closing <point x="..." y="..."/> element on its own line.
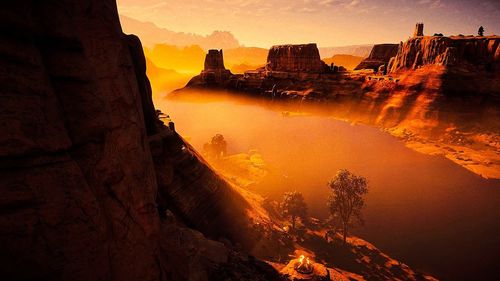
<point x="217" y="147"/>
<point x="480" y="31"/>
<point x="346" y="200"/>
<point x="294" y="206"/>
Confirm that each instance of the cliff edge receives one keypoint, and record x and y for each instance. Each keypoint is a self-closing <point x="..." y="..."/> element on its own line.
<point x="94" y="186"/>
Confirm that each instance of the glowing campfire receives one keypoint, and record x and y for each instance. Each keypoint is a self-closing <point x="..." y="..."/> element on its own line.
<point x="303" y="265"/>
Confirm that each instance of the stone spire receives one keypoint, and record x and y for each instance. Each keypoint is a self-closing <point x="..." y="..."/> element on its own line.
<point x="214" y="60"/>
<point x="419" y="29"/>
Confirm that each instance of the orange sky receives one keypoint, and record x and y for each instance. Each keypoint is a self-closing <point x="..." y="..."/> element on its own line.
<point x="263" y="23"/>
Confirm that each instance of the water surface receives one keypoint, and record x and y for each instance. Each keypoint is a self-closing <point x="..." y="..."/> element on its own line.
<point x="424" y="210"/>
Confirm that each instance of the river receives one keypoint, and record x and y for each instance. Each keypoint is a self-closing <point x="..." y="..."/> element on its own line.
<point x="424" y="210"/>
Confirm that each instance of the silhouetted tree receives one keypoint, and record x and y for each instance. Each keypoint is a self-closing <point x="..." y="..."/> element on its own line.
<point x="217" y="147"/>
<point x="346" y="200"/>
<point x="480" y="31"/>
<point x="294" y="206"/>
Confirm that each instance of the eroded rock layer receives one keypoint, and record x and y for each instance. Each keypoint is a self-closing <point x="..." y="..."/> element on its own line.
<point x="214" y="60"/>
<point x="473" y="53"/>
<point x="379" y="55"/>
<point x="295" y="58"/>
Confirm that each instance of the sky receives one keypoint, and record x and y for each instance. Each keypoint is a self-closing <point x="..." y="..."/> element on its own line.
<point x="263" y="23"/>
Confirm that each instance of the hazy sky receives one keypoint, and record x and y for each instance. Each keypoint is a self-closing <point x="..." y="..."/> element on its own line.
<point x="264" y="23"/>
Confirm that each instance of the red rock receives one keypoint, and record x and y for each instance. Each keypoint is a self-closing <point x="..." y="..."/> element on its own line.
<point x="419" y="30"/>
<point x="215" y="74"/>
<point x="84" y="161"/>
<point x="475" y="53"/>
<point x="295" y="58"/>
<point x="380" y="55"/>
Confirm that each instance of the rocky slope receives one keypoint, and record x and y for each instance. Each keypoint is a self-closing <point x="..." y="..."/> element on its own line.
<point x="379" y="55"/>
<point x="295" y="58"/>
<point x="87" y="171"/>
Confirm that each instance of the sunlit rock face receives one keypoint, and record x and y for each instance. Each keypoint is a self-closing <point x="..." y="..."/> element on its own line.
<point x="295" y="58"/>
<point x="473" y="53"/>
<point x="379" y="55"/>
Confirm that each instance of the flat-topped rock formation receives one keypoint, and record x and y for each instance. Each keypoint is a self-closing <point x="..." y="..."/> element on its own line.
<point x="379" y="55"/>
<point x="472" y="53"/>
<point x="284" y="62"/>
<point x="295" y="58"/>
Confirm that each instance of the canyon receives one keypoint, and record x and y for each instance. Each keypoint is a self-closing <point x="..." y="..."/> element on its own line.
<point x="439" y="94"/>
<point x="96" y="187"/>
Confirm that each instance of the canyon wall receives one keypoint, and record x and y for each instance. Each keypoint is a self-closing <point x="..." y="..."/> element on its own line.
<point x="295" y="58"/>
<point x="379" y="55"/>
<point x="471" y="53"/>
<point x="88" y="174"/>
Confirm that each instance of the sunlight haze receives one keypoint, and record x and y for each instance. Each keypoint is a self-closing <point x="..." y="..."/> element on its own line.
<point x="327" y="22"/>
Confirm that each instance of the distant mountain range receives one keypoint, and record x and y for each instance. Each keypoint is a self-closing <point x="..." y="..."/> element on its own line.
<point x="347" y="61"/>
<point x="353" y="50"/>
<point x="151" y="34"/>
<point x="173" y="57"/>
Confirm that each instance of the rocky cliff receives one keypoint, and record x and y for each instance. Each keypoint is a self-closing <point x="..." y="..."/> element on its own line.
<point x="295" y="58"/>
<point x="471" y="53"/>
<point x="285" y="65"/>
<point x="89" y="177"/>
<point x="379" y="55"/>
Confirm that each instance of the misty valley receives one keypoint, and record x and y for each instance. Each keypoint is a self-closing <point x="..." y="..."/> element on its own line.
<point x="249" y="140"/>
<point x="425" y="210"/>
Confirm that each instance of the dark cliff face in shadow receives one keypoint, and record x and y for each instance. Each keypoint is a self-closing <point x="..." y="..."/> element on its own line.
<point x="87" y="171"/>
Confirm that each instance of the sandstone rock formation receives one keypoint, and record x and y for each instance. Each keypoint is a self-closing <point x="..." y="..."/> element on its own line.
<point x="419" y="30"/>
<point x="285" y="63"/>
<point x="295" y="58"/>
<point x="87" y="171"/>
<point x="380" y="55"/>
<point x="471" y="53"/>
<point x="214" y="72"/>
<point x="214" y="60"/>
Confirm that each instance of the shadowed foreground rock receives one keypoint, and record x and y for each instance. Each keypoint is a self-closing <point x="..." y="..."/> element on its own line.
<point x="87" y="171"/>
